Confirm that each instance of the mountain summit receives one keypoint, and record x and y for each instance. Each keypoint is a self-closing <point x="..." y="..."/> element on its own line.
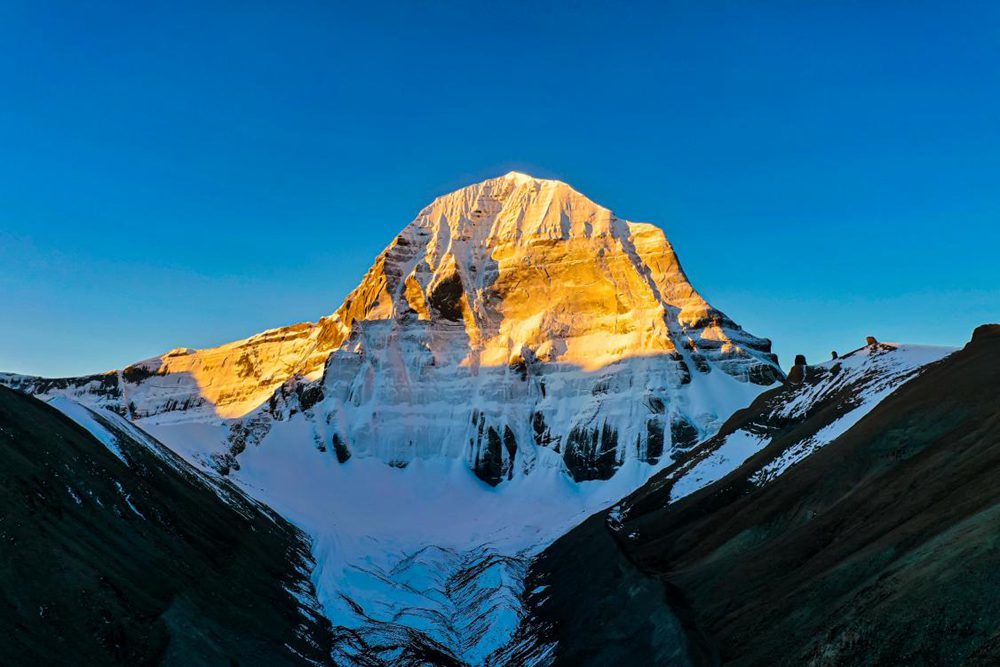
<point x="511" y="314"/>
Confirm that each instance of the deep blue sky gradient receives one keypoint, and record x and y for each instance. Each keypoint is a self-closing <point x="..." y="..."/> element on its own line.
<point x="179" y="176"/>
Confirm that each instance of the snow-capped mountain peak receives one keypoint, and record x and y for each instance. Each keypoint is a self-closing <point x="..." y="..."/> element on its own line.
<point x="523" y="262"/>
<point x="516" y="358"/>
<point x="510" y="315"/>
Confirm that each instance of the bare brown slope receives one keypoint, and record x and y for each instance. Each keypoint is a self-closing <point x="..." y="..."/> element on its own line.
<point x="881" y="548"/>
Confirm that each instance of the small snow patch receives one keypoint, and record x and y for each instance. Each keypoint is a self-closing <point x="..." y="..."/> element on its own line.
<point x="128" y="499"/>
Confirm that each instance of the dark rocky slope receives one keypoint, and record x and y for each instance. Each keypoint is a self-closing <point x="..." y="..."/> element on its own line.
<point x="139" y="561"/>
<point x="881" y="548"/>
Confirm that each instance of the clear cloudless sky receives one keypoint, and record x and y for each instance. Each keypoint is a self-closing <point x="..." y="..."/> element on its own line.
<point x="178" y="174"/>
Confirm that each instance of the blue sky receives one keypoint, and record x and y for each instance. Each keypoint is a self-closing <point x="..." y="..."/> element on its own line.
<point x="181" y="176"/>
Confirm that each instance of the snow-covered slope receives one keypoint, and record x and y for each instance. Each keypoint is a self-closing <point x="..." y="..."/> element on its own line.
<point x="817" y="405"/>
<point x="517" y="359"/>
<point x="601" y="565"/>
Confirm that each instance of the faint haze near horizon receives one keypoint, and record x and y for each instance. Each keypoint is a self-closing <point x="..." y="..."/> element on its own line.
<point x="185" y="176"/>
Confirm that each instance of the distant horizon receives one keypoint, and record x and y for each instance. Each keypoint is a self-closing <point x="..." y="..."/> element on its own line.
<point x="190" y="176"/>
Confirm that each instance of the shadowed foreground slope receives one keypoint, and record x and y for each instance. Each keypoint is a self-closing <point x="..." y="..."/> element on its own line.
<point x="138" y="559"/>
<point x="883" y="547"/>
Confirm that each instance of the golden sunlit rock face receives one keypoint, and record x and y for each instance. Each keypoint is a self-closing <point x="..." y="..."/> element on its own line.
<point x="528" y="263"/>
<point x="513" y="310"/>
<point x="521" y="263"/>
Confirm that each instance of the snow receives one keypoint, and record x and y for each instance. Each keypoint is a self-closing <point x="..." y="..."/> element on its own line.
<point x="520" y="177"/>
<point x="76" y="497"/>
<point x="858" y="382"/>
<point x="875" y="372"/>
<point x="891" y="369"/>
<point x="558" y="314"/>
<point x="87" y="418"/>
<point x="395" y="542"/>
<point x="737" y="448"/>
<point x="128" y="499"/>
<point x="430" y="546"/>
<point x="192" y="440"/>
<point x="104" y="425"/>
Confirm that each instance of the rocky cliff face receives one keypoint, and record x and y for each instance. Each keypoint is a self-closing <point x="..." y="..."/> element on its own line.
<point x="511" y="315"/>
<point x="516" y="314"/>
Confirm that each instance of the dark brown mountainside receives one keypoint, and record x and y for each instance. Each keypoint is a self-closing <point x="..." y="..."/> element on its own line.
<point x="122" y="554"/>
<point x="881" y="548"/>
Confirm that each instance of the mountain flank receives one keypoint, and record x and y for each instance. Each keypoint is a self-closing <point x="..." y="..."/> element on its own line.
<point x="119" y="552"/>
<point x="880" y="547"/>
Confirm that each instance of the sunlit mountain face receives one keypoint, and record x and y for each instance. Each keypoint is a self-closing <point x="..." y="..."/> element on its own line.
<point x="515" y="313"/>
